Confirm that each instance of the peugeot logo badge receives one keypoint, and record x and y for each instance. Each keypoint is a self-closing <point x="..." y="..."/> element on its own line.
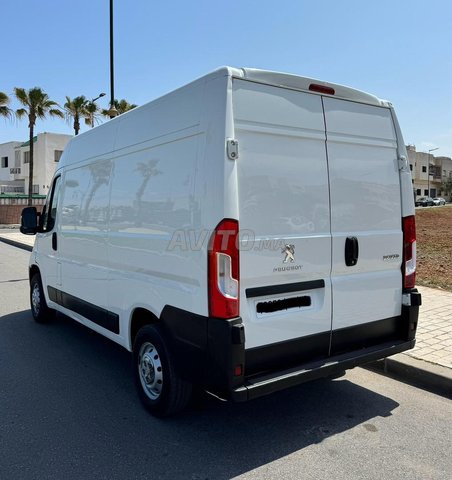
<point x="289" y="252"/>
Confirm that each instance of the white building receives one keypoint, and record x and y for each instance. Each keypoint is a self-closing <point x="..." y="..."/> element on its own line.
<point x="429" y="172"/>
<point x="15" y="158"/>
<point x="7" y="169"/>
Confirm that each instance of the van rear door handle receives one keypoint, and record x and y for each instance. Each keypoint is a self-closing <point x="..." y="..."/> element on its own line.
<point x="54" y="241"/>
<point x="351" y="251"/>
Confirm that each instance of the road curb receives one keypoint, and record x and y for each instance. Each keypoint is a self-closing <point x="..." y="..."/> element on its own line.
<point x="417" y="372"/>
<point x="24" y="246"/>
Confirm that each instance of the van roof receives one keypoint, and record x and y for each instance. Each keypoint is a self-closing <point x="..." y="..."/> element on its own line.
<point x="99" y="140"/>
<point x="297" y="82"/>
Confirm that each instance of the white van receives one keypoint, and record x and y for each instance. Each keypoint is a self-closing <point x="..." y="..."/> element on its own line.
<point x="245" y="233"/>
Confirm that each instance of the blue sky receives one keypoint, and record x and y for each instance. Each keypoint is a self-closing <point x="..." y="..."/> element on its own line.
<point x="397" y="50"/>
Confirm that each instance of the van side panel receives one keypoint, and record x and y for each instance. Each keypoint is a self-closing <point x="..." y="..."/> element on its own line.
<point x="157" y="240"/>
<point x="176" y="112"/>
<point x="131" y="222"/>
<point x="82" y="243"/>
<point x="153" y="234"/>
<point x="365" y="204"/>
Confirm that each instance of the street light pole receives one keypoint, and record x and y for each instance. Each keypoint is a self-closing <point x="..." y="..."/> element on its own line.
<point x="428" y="169"/>
<point x="112" y="112"/>
<point x="91" y="119"/>
<point x="97" y="98"/>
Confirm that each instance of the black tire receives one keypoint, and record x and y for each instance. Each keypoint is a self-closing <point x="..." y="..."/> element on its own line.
<point x="159" y="387"/>
<point x="39" y="309"/>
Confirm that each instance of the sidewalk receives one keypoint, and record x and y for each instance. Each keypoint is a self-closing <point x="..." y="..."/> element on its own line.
<point x="428" y="364"/>
<point x="11" y="235"/>
<point x="434" y="332"/>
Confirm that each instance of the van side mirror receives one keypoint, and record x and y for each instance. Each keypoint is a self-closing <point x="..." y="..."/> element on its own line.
<point x="29" y="221"/>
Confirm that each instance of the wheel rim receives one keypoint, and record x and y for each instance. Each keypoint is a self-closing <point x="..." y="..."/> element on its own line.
<point x="150" y="370"/>
<point x="36" y="299"/>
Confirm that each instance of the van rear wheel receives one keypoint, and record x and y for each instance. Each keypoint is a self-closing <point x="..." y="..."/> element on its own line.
<point x="160" y="388"/>
<point x="39" y="309"/>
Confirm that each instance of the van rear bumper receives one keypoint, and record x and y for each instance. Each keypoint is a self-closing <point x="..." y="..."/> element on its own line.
<point x="211" y="352"/>
<point x="261" y="385"/>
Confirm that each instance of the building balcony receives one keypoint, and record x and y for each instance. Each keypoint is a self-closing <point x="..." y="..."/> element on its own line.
<point x="17" y="173"/>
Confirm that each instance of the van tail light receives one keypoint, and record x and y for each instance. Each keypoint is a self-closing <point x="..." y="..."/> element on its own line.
<point x="223" y="270"/>
<point x="409" y="251"/>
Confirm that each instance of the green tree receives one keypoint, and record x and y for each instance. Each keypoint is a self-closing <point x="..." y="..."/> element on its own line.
<point x="5" y="111"/>
<point x="122" y="106"/>
<point x="75" y="110"/>
<point x="36" y="105"/>
<point x="92" y="114"/>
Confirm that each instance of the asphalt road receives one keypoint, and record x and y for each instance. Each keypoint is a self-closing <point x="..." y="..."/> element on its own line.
<point x="68" y="410"/>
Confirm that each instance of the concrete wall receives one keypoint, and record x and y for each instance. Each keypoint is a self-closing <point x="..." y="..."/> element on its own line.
<point x="10" y="214"/>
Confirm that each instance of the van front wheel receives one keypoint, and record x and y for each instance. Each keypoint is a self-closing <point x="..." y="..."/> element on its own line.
<point x="39" y="309"/>
<point x="160" y="388"/>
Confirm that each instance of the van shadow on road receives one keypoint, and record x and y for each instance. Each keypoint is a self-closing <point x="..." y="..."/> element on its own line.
<point x="69" y="408"/>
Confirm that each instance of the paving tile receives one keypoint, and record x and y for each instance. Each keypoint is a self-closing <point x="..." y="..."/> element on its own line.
<point x="444" y="336"/>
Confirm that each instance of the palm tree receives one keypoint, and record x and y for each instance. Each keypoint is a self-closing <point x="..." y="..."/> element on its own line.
<point x="76" y="109"/>
<point x="36" y="104"/>
<point x="148" y="170"/>
<point x="100" y="173"/>
<point x="5" y="111"/>
<point x="122" y="106"/>
<point x="92" y="113"/>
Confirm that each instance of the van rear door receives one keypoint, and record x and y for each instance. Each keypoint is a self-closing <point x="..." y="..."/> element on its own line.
<point x="285" y="256"/>
<point x="365" y="223"/>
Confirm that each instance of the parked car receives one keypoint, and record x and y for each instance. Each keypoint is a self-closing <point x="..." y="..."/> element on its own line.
<point x="424" y="202"/>
<point x="439" y="201"/>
